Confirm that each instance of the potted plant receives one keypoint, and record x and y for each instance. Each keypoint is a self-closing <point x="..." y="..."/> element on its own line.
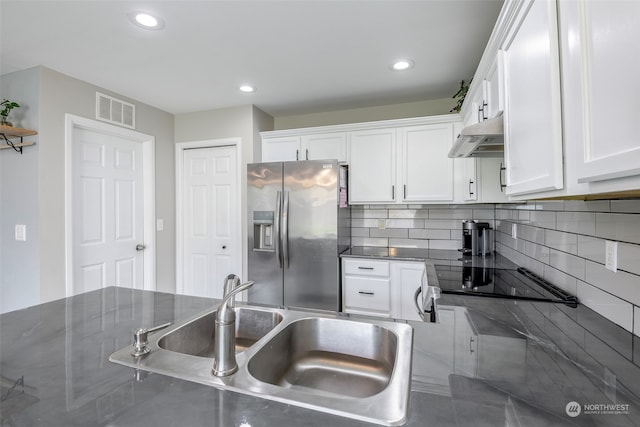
<point x="7" y="106"/>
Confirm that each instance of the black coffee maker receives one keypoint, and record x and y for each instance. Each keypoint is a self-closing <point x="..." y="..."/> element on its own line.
<point x="477" y="238"/>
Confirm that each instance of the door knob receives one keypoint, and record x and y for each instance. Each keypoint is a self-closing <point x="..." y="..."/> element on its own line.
<point x="140" y="247"/>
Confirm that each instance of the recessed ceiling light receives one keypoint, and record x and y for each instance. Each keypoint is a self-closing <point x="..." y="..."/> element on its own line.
<point x="146" y="20"/>
<point x="404" y="64"/>
<point x="247" y="88"/>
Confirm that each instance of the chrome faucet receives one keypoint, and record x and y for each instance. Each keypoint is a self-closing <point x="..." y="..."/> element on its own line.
<point x="224" y="362"/>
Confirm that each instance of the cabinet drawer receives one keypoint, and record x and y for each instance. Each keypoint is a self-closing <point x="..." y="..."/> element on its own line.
<point x="367" y="294"/>
<point x="366" y="267"/>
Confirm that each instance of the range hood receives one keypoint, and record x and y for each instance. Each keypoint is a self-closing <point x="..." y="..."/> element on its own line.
<point x="484" y="139"/>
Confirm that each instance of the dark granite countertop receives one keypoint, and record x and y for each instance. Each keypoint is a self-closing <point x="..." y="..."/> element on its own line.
<point x="487" y="363"/>
<point x="434" y="256"/>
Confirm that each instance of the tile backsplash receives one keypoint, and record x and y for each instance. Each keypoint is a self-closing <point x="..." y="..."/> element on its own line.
<point x="414" y="226"/>
<point x="562" y="241"/>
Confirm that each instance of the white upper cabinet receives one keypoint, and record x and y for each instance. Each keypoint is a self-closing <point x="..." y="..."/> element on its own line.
<point x="324" y="146"/>
<point x="533" y="120"/>
<point x="281" y="149"/>
<point x="372" y="168"/>
<point x="426" y="170"/>
<point x="493" y="99"/>
<point x="601" y="69"/>
<point x="320" y="146"/>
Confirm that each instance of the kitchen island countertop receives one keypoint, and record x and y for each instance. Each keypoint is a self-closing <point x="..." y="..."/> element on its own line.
<point x="488" y="362"/>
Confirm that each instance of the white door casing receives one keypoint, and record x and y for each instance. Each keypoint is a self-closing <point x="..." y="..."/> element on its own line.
<point x="208" y="216"/>
<point x="110" y="206"/>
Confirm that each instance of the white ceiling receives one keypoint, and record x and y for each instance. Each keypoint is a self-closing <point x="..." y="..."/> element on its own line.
<point x="303" y="56"/>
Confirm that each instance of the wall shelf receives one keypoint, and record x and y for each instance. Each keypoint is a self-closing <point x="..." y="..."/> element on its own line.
<point x="9" y="132"/>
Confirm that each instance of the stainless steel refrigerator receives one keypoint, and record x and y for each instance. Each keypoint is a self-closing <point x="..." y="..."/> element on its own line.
<point x="299" y="223"/>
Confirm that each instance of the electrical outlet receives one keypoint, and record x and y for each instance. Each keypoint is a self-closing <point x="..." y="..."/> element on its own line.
<point x="21" y="233"/>
<point x="159" y="225"/>
<point x="611" y="255"/>
<point x="382" y="224"/>
<point x="514" y="231"/>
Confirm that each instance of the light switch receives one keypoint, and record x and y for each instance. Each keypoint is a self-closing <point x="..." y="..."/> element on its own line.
<point x="21" y="233"/>
<point x="159" y="225"/>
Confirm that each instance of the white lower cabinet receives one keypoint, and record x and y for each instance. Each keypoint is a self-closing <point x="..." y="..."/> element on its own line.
<point x="381" y="288"/>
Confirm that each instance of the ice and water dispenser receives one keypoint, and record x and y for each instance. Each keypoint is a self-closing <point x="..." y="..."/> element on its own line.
<point x="264" y="238"/>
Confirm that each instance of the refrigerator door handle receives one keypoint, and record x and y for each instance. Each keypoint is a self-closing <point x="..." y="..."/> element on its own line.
<point x="277" y="227"/>
<point x="285" y="230"/>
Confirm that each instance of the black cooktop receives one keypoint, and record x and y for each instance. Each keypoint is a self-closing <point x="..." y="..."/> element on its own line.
<point x="518" y="283"/>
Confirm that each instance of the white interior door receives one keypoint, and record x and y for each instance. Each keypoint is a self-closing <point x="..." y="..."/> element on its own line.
<point x="108" y="211"/>
<point x="210" y="220"/>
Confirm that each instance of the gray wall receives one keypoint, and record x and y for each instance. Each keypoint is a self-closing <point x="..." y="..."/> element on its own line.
<point x="60" y="94"/>
<point x="243" y="122"/>
<point x="357" y="115"/>
<point x="19" y="197"/>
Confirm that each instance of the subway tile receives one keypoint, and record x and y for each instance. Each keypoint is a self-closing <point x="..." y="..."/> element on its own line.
<point x="621" y="227"/>
<point x="628" y="257"/>
<point x="636" y="321"/>
<point x="445" y="244"/>
<point x="570" y="264"/>
<point x="375" y="213"/>
<point x="436" y="213"/>
<point x="405" y="223"/>
<point x="504" y="227"/>
<point x="401" y="233"/>
<point x="529" y="206"/>
<point x="506" y="240"/>
<point x="587" y="206"/>
<point x="361" y="223"/>
<point x="566" y="242"/>
<point x="592" y="248"/>
<point x="483" y="214"/>
<point x="504" y="214"/>
<point x="626" y="206"/>
<point x="359" y="232"/>
<point x="532" y="234"/>
<point x="561" y="279"/>
<point x="524" y="216"/>
<point x="543" y="219"/>
<point x="385" y="206"/>
<point x="440" y="224"/>
<point x="537" y="252"/>
<point x="577" y="222"/>
<point x="408" y="213"/>
<point x="624" y="285"/>
<point x="410" y="243"/>
<point x="616" y="310"/>
<point x="550" y="205"/>
<point x="368" y="241"/>
<point x="432" y="234"/>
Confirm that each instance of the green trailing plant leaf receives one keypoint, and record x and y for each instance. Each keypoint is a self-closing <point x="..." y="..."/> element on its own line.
<point x="460" y="95"/>
<point x="7" y="106"/>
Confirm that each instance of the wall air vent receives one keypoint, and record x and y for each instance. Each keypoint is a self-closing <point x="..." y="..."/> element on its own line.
<point x="116" y="111"/>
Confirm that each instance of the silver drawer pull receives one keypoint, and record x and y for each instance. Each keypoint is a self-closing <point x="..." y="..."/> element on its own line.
<point x="365" y="268"/>
<point x="365" y="293"/>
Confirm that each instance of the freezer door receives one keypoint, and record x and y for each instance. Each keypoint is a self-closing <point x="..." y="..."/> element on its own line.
<point x="310" y="248"/>
<point x="264" y="200"/>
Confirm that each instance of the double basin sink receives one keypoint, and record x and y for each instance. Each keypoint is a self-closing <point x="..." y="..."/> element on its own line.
<point x="355" y="368"/>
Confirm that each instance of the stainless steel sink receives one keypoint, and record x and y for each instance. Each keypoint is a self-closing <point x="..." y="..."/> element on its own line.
<point x="354" y="368"/>
<point x="351" y="359"/>
<point x="196" y="337"/>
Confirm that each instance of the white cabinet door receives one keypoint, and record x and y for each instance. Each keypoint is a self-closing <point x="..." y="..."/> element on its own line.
<point x="426" y="169"/>
<point x="372" y="169"/>
<point x="493" y="90"/>
<point x="281" y="149"/>
<point x="406" y="277"/>
<point x="325" y="146"/>
<point x="469" y="179"/>
<point x="601" y="68"/>
<point x="533" y="126"/>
